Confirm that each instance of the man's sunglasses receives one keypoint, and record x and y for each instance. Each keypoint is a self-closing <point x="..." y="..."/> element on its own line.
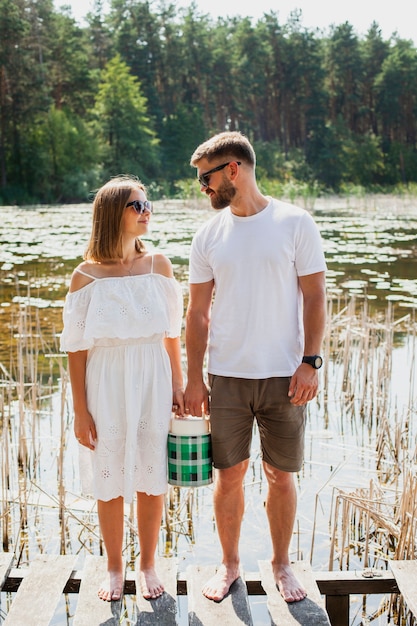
<point x="141" y="206"/>
<point x="204" y="179"/>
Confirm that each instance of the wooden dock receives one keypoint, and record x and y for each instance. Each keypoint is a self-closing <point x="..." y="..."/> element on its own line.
<point x="39" y="588"/>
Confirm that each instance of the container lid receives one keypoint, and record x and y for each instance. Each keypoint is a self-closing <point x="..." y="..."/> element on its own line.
<point x="189" y="426"/>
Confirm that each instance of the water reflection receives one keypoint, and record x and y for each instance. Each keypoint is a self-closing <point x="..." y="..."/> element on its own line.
<point x="371" y="251"/>
<point x="371" y="248"/>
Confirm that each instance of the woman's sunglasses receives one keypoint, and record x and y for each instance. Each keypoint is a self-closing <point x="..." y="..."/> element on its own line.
<point x="141" y="206"/>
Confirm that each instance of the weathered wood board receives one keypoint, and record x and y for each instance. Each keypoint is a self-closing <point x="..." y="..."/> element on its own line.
<point x="91" y="610"/>
<point x="405" y="573"/>
<point x="40" y="591"/>
<point x="231" y="611"/>
<point x="162" y="610"/>
<point x="307" y="612"/>
<point x="6" y="561"/>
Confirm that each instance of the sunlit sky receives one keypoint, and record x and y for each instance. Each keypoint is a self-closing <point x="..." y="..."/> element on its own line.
<point x="399" y="16"/>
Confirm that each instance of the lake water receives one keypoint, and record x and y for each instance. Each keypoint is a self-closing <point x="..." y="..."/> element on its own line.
<point x="371" y="251"/>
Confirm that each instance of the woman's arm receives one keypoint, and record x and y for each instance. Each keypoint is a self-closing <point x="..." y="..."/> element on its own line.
<point x="84" y="426"/>
<point x="173" y="347"/>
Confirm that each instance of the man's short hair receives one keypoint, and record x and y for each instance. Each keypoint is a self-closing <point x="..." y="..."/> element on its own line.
<point x="230" y="145"/>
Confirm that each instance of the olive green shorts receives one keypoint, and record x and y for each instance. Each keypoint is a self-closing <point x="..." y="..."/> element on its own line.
<point x="236" y="402"/>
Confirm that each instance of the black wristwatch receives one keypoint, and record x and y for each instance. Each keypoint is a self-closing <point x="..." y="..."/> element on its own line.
<point x="315" y="361"/>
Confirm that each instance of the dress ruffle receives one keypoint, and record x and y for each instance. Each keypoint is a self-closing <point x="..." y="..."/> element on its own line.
<point x="124" y="308"/>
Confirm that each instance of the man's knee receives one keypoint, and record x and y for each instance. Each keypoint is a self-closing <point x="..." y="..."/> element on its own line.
<point x="231" y="477"/>
<point x="278" y="479"/>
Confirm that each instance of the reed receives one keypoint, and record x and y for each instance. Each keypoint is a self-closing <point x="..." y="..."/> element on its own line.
<point x="368" y="526"/>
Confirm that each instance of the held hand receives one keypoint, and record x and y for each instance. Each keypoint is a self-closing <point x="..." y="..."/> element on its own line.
<point x="196" y="399"/>
<point x="303" y="385"/>
<point x="85" y="430"/>
<point x="178" y="402"/>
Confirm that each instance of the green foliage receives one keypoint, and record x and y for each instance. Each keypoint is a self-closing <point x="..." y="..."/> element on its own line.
<point x="178" y="136"/>
<point x="64" y="149"/>
<point x="270" y="159"/>
<point x="141" y="85"/>
<point x="400" y="164"/>
<point x="324" y="154"/>
<point x="396" y="91"/>
<point x="187" y="188"/>
<point x="364" y="159"/>
<point x="128" y="143"/>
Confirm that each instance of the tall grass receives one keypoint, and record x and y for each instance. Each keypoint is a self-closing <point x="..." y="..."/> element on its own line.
<point x="377" y="522"/>
<point x="367" y="526"/>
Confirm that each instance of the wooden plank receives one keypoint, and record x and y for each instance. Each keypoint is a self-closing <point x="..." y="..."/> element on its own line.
<point x="6" y="561"/>
<point x="338" y="610"/>
<point x="40" y="591"/>
<point x="334" y="583"/>
<point x="309" y="612"/>
<point x="162" y="610"/>
<point x="91" y="610"/>
<point x="232" y="610"/>
<point x="405" y="573"/>
<point x="342" y="582"/>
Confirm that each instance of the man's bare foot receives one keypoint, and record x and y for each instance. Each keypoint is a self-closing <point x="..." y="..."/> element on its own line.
<point x="289" y="586"/>
<point x="112" y="587"/>
<point x="218" y="586"/>
<point x="150" y="585"/>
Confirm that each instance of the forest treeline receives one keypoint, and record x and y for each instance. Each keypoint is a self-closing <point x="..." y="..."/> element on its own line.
<point x="140" y="85"/>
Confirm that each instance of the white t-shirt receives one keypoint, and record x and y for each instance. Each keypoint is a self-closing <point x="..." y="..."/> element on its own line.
<point x="256" y="327"/>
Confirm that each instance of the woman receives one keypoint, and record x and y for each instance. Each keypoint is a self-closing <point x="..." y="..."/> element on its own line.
<point x="122" y="325"/>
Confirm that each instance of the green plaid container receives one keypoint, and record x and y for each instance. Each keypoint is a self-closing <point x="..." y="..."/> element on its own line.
<point x="189" y="460"/>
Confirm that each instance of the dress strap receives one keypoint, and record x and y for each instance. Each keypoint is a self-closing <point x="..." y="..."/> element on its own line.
<point x="85" y="274"/>
<point x="152" y="258"/>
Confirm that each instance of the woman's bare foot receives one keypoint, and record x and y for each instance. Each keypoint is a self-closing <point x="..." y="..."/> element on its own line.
<point x="150" y="585"/>
<point x="289" y="586"/>
<point x="218" y="586"/>
<point x="112" y="587"/>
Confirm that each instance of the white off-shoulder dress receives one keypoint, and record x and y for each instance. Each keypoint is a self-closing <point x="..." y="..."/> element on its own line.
<point x="122" y="322"/>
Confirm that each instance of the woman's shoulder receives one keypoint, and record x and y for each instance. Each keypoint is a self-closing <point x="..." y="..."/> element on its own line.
<point x="83" y="275"/>
<point x="162" y="265"/>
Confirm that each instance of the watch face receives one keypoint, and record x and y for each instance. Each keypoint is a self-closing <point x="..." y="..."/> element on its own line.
<point x="318" y="362"/>
<point x="315" y="361"/>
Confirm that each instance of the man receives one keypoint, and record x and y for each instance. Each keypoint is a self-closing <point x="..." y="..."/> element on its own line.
<point x="262" y="260"/>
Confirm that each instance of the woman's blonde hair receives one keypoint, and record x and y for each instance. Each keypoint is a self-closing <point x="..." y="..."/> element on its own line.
<point x="108" y="207"/>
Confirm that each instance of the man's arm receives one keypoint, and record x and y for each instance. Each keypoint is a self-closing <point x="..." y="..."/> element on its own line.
<point x="197" y="324"/>
<point x="304" y="383"/>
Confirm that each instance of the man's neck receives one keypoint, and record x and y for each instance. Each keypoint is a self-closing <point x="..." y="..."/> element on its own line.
<point x="247" y="205"/>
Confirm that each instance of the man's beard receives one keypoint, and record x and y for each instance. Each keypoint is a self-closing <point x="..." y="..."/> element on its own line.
<point x="223" y="196"/>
